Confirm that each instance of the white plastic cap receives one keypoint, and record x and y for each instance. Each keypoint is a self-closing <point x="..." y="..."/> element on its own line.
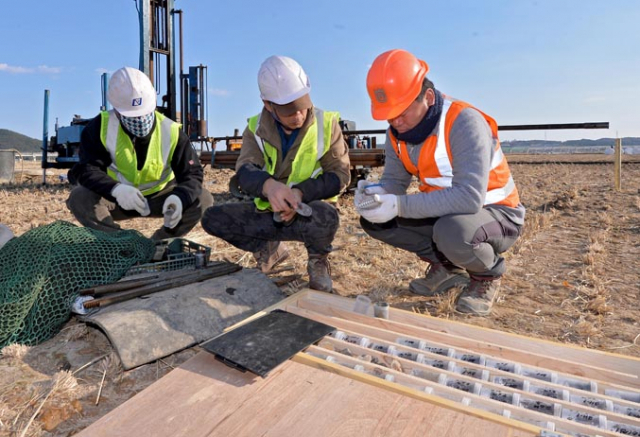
<point x="131" y="93"/>
<point x="282" y="80"/>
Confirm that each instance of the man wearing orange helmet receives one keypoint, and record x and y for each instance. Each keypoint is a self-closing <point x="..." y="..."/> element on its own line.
<point x="467" y="212"/>
<point x="293" y="157"/>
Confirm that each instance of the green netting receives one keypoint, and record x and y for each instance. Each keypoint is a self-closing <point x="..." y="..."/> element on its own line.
<point x="42" y="271"/>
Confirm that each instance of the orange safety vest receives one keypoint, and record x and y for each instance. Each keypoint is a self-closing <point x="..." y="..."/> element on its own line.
<point x="435" y="168"/>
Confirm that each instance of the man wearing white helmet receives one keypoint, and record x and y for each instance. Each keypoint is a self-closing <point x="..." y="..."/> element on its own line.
<point x="136" y="162"/>
<point x="293" y="157"/>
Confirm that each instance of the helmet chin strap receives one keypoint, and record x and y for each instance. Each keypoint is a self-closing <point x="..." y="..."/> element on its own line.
<point x="274" y="114"/>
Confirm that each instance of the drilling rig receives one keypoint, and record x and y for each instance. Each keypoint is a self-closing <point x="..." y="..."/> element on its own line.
<point x="158" y="31"/>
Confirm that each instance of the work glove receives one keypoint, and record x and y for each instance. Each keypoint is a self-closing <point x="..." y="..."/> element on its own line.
<point x="365" y="190"/>
<point x="129" y="197"/>
<point x="172" y="210"/>
<point x="387" y="208"/>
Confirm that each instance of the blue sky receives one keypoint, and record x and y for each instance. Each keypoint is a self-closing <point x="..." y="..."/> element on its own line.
<point x="521" y="61"/>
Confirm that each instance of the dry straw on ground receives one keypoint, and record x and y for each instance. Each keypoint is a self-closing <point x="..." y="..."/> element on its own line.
<point x="572" y="277"/>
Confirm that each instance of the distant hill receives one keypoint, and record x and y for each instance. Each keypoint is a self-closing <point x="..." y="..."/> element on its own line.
<point x="13" y="140"/>
<point x="627" y="141"/>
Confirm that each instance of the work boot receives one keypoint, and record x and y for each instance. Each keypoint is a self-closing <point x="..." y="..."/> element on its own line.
<point x="478" y="297"/>
<point x="438" y="279"/>
<point x="271" y="255"/>
<point x="319" y="273"/>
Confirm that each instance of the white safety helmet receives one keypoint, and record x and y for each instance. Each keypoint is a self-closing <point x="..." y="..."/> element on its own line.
<point x="282" y="80"/>
<point x="131" y="93"/>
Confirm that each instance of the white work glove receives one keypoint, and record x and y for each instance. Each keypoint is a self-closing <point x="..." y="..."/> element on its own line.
<point x="129" y="197"/>
<point x="172" y="210"/>
<point x="5" y="235"/>
<point x="365" y="191"/>
<point x="387" y="209"/>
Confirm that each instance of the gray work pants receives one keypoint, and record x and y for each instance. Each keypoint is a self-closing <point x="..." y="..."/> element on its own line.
<point x="243" y="226"/>
<point x="473" y="242"/>
<point x="96" y="212"/>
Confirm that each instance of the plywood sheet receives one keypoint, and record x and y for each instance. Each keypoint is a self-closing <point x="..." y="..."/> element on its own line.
<point x="203" y="397"/>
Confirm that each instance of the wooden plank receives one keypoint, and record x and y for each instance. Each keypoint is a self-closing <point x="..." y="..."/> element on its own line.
<point x="467" y="402"/>
<point x="387" y="329"/>
<point x="452" y="403"/>
<point x="614" y="362"/>
<point x="409" y="367"/>
<point x="205" y="398"/>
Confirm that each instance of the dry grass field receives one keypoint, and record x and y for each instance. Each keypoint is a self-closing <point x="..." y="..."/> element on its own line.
<point x="572" y="278"/>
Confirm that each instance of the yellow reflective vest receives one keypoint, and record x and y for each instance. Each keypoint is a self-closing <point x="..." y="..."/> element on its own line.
<point x="306" y="164"/>
<point x="156" y="172"/>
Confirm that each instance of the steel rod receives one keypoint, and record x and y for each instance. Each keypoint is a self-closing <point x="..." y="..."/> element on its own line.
<point x="587" y="125"/>
<point x="198" y="276"/>
<point x="138" y="282"/>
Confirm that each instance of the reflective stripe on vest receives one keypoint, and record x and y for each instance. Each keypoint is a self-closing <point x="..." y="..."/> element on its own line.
<point x="156" y="172"/>
<point x="435" y="169"/>
<point x="306" y="164"/>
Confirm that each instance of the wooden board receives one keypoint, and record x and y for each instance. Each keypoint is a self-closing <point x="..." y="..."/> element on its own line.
<point x="567" y="390"/>
<point x="205" y="398"/>
<point x="377" y="377"/>
<point x="614" y="362"/>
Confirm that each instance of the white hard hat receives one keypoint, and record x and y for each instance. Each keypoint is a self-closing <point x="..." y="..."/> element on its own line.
<point x="282" y="80"/>
<point x="131" y="93"/>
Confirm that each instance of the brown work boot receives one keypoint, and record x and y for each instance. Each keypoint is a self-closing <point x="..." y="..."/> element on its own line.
<point x="319" y="273"/>
<point x="478" y="297"/>
<point x="271" y="255"/>
<point x="438" y="279"/>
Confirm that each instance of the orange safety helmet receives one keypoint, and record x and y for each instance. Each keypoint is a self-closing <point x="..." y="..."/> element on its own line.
<point x="393" y="82"/>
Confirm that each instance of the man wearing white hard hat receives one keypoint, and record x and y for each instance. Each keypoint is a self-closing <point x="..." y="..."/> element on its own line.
<point x="293" y="158"/>
<point x="135" y="162"/>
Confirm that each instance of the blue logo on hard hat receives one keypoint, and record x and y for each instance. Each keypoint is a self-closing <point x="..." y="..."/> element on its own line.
<point x="136" y="102"/>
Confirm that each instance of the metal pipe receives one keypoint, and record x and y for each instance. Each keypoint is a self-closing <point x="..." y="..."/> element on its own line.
<point x="104" y="80"/>
<point x="589" y="125"/>
<point x="183" y="110"/>
<point x="202" y="119"/>
<point x="117" y="286"/>
<point x="139" y="282"/>
<point x="179" y="12"/>
<point x="198" y="276"/>
<point x="45" y="137"/>
<point x="596" y="125"/>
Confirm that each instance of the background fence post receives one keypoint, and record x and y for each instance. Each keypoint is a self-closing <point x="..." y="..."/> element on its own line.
<point x="617" y="164"/>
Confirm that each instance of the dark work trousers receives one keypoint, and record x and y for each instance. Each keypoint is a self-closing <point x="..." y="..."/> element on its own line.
<point x="473" y="242"/>
<point x="243" y="226"/>
<point x="96" y="212"/>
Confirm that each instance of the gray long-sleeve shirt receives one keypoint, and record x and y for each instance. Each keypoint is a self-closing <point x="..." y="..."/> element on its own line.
<point x="472" y="147"/>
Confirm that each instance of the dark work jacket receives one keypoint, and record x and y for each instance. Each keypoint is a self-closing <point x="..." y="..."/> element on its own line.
<point x="91" y="171"/>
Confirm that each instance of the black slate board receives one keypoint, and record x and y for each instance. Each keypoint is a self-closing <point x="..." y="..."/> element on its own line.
<point x="262" y="344"/>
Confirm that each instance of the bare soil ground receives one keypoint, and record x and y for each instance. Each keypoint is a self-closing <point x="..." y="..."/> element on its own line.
<point x="573" y="277"/>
